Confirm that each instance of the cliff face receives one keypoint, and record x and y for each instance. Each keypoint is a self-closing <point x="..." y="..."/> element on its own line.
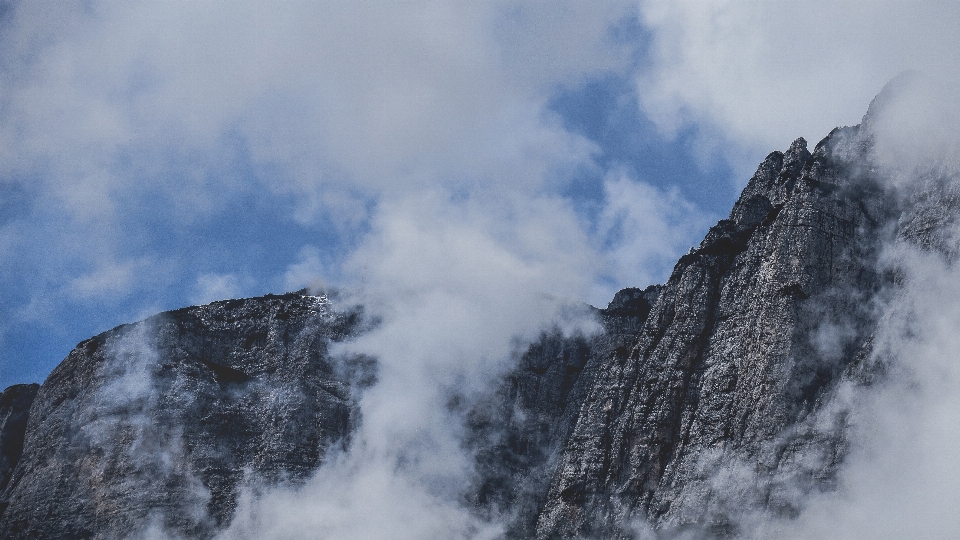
<point x="728" y="365"/>
<point x="15" y="405"/>
<point x="159" y="422"/>
<point x="518" y="433"/>
<point x="701" y="401"/>
<point x="722" y="412"/>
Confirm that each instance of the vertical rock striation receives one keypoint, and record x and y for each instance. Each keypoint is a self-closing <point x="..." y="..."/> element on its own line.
<point x="518" y="432"/>
<point x="15" y="405"/>
<point x="161" y="422"/>
<point x="753" y="327"/>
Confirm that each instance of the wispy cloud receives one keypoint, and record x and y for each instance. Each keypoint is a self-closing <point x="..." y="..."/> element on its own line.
<point x="457" y="288"/>
<point x="155" y="131"/>
<point x="760" y="74"/>
<point x="644" y="231"/>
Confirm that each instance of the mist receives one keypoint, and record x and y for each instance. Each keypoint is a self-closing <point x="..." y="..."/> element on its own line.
<point x="901" y="475"/>
<point x="898" y="404"/>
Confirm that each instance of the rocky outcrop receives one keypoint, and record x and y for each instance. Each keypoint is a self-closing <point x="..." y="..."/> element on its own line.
<point x="753" y="328"/>
<point x="517" y="433"/>
<point x="161" y="422"/>
<point x="15" y="405"/>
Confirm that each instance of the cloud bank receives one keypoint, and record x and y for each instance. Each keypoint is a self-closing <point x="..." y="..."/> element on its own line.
<point x="151" y="147"/>
<point x="759" y="74"/>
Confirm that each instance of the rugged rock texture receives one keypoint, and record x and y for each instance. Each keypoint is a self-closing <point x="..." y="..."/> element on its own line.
<point x="718" y="408"/>
<point x="518" y="432"/>
<point x="159" y="422"/>
<point x="15" y="405"/>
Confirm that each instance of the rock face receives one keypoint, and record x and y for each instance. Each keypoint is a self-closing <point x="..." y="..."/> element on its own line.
<point x="699" y="402"/>
<point x="15" y="405"/>
<point x="159" y="422"/>
<point x="727" y="365"/>
<point x="721" y="410"/>
<point x="519" y="432"/>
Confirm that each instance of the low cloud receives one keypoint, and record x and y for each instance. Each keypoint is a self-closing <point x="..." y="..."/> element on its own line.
<point x="108" y="280"/>
<point x="458" y="288"/>
<point x="307" y="272"/>
<point x="901" y="477"/>
<point x="124" y="415"/>
<point x="643" y="231"/>
<point x="759" y="74"/>
<point x="211" y="287"/>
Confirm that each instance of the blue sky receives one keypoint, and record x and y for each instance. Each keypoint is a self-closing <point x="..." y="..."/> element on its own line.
<point x="161" y="154"/>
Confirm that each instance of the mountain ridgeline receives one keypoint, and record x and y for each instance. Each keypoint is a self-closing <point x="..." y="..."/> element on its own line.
<point x="701" y="403"/>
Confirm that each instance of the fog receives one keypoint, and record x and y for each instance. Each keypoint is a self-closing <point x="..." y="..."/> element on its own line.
<point x="899" y="409"/>
<point x="901" y="477"/>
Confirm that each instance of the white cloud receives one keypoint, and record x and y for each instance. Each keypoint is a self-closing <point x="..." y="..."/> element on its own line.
<point x="458" y="286"/>
<point x="110" y="279"/>
<point x="901" y="479"/>
<point x="211" y="287"/>
<point x="646" y="230"/>
<point x="308" y="271"/>
<point x="109" y="109"/>
<point x="337" y="96"/>
<point x="916" y="122"/>
<point x="763" y="73"/>
<point x="370" y="502"/>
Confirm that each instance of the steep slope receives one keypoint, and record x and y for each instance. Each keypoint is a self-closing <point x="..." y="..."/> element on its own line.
<point x="716" y="410"/>
<point x="159" y="422"/>
<point x="517" y="433"/>
<point x="15" y="405"/>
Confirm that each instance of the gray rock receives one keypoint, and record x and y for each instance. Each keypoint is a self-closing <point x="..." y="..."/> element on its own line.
<point x="517" y="433"/>
<point x="704" y="417"/>
<point x="160" y="423"/>
<point x="15" y="405"/>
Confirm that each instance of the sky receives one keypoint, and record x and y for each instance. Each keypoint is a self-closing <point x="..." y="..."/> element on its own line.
<point x="161" y="154"/>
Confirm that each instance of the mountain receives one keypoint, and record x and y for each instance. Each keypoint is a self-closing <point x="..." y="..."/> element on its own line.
<point x="701" y="404"/>
<point x="246" y="388"/>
